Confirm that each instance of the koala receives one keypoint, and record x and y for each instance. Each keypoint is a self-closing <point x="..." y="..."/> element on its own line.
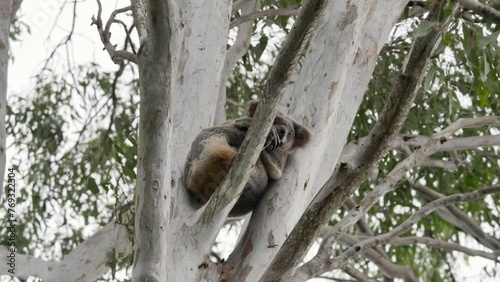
<point x="214" y="149"/>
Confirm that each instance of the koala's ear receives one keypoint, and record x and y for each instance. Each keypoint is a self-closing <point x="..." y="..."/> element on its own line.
<point x="252" y="107"/>
<point x="302" y="135"/>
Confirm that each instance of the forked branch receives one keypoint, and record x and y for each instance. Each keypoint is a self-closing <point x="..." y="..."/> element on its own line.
<point x="326" y="264"/>
<point x="116" y="55"/>
<point x="340" y="187"/>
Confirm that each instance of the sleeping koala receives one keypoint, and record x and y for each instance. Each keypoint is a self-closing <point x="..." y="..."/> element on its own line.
<point x="215" y="148"/>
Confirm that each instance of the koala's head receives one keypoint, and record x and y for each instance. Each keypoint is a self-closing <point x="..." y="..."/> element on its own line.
<point x="292" y="135"/>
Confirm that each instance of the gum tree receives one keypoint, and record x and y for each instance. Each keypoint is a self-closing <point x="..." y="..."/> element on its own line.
<point x="393" y="140"/>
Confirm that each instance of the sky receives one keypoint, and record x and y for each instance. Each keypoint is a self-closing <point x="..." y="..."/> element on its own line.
<point x="34" y="47"/>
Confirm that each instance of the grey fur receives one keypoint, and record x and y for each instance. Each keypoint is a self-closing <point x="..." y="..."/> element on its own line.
<point x="214" y="148"/>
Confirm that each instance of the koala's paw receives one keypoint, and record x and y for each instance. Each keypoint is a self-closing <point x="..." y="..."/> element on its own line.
<point x="273" y="140"/>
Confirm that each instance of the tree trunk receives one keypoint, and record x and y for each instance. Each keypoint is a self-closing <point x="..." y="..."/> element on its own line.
<point x="180" y="86"/>
<point x="181" y="65"/>
<point x="6" y="12"/>
<point x="325" y="95"/>
<point x="181" y="59"/>
<point x="8" y="9"/>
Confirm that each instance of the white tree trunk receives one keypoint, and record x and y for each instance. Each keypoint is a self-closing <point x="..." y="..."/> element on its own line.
<point x="6" y="12"/>
<point x="325" y="96"/>
<point x="183" y="47"/>
<point x="186" y="84"/>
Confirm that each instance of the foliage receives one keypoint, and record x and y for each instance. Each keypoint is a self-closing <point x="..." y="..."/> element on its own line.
<point x="72" y="178"/>
<point x="83" y="176"/>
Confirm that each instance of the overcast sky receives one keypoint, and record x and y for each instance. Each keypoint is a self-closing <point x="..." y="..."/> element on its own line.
<point x="34" y="47"/>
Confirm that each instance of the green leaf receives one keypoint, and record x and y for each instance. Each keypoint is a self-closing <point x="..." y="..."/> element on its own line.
<point x="429" y="78"/>
<point x="483" y="97"/>
<point x="129" y="172"/>
<point x="487" y="40"/>
<point x="424" y="28"/>
<point x="92" y="185"/>
<point x="259" y="49"/>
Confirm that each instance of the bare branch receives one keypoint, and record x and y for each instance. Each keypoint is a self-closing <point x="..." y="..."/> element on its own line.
<point x="321" y="265"/>
<point x="405" y="143"/>
<point x="415" y="159"/>
<point x="116" y="55"/>
<point x="356" y="274"/>
<point x="233" y="55"/>
<point x="124" y="55"/>
<point x="86" y="263"/>
<point x="468" y="123"/>
<point x="408" y="223"/>
<point x="139" y="12"/>
<point x="431" y="242"/>
<point x="288" y="11"/>
<point x="481" y="9"/>
<point x="111" y="19"/>
<point x="428" y="162"/>
<point x="458" y="218"/>
<point x="389" y="269"/>
<point x="31" y="266"/>
<point x="128" y="31"/>
<point x="362" y="225"/>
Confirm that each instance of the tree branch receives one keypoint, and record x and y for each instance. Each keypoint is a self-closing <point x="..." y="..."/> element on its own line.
<point x="338" y="189"/>
<point x="481" y="9"/>
<point x="86" y="263"/>
<point x="233" y="55"/>
<point x="363" y="245"/>
<point x="139" y="12"/>
<point x="389" y="269"/>
<point x="468" y="123"/>
<point x="431" y="242"/>
<point x="388" y="184"/>
<point x="116" y="55"/>
<point x="30" y="266"/>
<point x="406" y="144"/>
<point x="458" y="218"/>
<point x="289" y="11"/>
<point x="356" y="274"/>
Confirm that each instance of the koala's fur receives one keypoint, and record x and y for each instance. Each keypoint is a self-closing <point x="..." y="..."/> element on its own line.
<point x="215" y="148"/>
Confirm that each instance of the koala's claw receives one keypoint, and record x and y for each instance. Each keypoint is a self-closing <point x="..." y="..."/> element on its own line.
<point x="273" y="140"/>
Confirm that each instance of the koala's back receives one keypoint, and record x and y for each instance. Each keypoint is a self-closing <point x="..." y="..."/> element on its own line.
<point x="210" y="167"/>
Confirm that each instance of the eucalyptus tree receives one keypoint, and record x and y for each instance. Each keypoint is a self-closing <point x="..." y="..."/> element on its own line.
<point x="401" y="98"/>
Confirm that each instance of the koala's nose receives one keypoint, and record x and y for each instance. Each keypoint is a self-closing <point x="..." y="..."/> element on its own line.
<point x="282" y="130"/>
